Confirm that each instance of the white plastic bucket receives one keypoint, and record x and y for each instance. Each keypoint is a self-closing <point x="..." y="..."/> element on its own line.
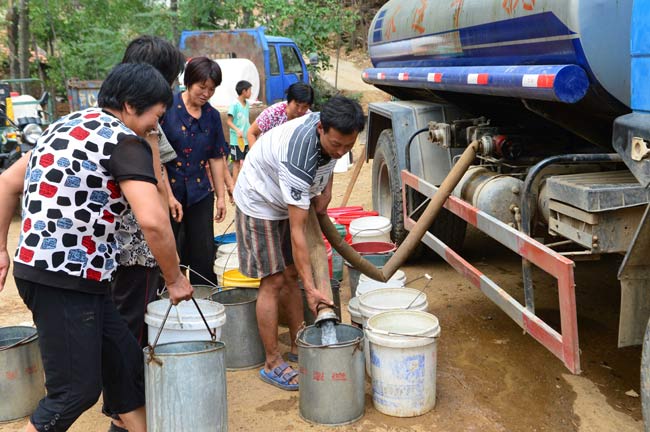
<point x="355" y="313"/>
<point x="370" y="228"/>
<point x="404" y="357"/>
<point x="227" y="249"/>
<point x="225" y="263"/>
<point x="388" y="299"/>
<point x="184" y="323"/>
<point x="367" y="284"/>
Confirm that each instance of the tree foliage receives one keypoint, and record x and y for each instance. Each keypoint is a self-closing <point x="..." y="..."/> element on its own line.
<point x="85" y="38"/>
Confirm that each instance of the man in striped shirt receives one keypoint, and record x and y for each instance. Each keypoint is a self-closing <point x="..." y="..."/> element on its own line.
<point x="286" y="172"/>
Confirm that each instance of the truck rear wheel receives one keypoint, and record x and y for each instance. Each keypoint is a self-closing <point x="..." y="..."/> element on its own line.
<point x="387" y="185"/>
<point x="645" y="379"/>
<point x="387" y="199"/>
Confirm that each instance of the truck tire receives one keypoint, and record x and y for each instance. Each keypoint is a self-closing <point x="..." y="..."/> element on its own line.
<point x="645" y="379"/>
<point x="387" y="185"/>
<point x="387" y="200"/>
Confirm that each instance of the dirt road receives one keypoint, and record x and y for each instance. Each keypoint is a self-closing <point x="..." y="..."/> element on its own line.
<point x="490" y="376"/>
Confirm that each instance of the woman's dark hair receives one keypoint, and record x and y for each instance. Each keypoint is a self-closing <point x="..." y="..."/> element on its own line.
<point x="159" y="53"/>
<point x="200" y="69"/>
<point x="301" y="93"/>
<point x="342" y="114"/>
<point x="138" y="84"/>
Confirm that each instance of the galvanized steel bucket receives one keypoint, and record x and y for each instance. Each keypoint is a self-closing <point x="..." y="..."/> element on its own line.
<point x="185" y="385"/>
<point x="332" y="377"/>
<point x="240" y="332"/>
<point x="22" y="380"/>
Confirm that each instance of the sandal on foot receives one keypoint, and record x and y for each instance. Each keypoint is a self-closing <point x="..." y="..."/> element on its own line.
<point x="279" y="378"/>
<point x="292" y="357"/>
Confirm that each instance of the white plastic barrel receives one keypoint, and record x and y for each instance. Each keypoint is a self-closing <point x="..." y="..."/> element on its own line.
<point x="366" y="284"/>
<point x="184" y="323"/>
<point x="355" y="314"/>
<point x="388" y="299"/>
<point x="404" y="360"/>
<point x="370" y="229"/>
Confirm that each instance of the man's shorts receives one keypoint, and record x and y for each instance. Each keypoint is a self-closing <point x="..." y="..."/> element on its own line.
<point x="263" y="246"/>
<point x="236" y="154"/>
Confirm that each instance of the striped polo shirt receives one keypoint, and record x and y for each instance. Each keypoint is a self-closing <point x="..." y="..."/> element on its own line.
<point x="284" y="167"/>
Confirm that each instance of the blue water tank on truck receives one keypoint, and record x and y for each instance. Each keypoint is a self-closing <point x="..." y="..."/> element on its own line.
<point x="547" y="89"/>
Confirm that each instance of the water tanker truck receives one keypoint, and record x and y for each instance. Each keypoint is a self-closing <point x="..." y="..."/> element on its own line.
<point x="552" y="97"/>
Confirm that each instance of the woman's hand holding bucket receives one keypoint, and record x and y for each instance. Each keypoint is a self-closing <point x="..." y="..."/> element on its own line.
<point x="180" y="289"/>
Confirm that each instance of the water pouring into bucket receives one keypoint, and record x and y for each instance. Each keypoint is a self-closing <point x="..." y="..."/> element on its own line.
<point x="326" y="318"/>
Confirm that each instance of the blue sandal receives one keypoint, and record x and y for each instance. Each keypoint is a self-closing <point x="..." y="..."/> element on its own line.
<point x="293" y="358"/>
<point x="277" y="377"/>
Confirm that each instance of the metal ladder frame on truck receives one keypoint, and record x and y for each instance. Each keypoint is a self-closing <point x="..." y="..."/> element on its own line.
<point x="631" y="140"/>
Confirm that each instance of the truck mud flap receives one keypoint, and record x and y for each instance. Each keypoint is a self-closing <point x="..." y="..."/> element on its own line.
<point x="563" y="345"/>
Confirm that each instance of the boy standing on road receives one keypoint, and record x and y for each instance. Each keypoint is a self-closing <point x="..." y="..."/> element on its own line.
<point x="238" y="123"/>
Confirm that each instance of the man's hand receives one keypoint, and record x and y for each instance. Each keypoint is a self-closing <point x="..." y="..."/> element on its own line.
<point x="175" y="208"/>
<point x="4" y="267"/>
<point x="219" y="210"/>
<point x="316" y="298"/>
<point x="179" y="289"/>
<point x="240" y="134"/>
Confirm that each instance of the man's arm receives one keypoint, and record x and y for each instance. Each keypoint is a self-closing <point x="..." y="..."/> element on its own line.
<point x="253" y="134"/>
<point x="11" y="188"/>
<point x="320" y="202"/>
<point x="153" y="220"/>
<point x="217" y="166"/>
<point x="300" y="249"/>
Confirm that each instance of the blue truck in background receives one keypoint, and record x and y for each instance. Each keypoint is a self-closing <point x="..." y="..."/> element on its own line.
<point x="555" y="94"/>
<point x="278" y="60"/>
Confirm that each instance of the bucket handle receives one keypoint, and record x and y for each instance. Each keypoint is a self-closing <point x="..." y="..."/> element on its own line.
<point x="151" y="357"/>
<point x="24" y="340"/>
<point x="217" y="288"/>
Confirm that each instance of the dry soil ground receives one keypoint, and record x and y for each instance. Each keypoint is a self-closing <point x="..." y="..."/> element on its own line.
<point x="490" y="377"/>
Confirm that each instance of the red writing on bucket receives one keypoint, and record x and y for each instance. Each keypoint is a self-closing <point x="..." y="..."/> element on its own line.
<point x="303" y="370"/>
<point x="11" y="375"/>
<point x="339" y="376"/>
<point x="30" y="370"/>
<point x="318" y="376"/>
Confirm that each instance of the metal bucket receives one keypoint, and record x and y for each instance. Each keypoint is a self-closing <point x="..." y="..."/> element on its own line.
<point x="22" y="380"/>
<point x="332" y="378"/>
<point x="185" y="387"/>
<point x="240" y="332"/>
<point x="185" y="383"/>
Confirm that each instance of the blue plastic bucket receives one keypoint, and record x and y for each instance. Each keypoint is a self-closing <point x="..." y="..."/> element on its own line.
<point x="225" y="238"/>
